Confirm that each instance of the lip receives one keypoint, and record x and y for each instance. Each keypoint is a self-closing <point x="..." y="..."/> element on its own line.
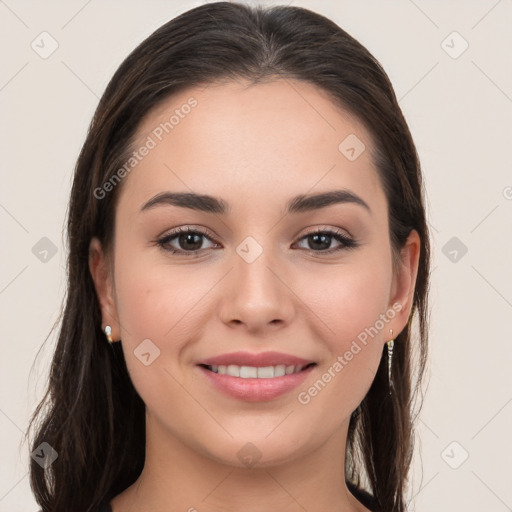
<point x="269" y="358"/>
<point x="256" y="390"/>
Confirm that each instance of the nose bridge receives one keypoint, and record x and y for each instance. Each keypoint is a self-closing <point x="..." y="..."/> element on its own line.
<point x="258" y="297"/>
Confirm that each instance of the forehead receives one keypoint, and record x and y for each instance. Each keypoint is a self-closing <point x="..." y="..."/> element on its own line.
<point x="263" y="140"/>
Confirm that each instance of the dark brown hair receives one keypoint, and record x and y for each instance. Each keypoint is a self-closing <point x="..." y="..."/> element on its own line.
<point x="91" y="415"/>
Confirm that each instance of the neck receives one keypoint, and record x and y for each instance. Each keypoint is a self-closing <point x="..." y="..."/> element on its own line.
<point x="178" y="477"/>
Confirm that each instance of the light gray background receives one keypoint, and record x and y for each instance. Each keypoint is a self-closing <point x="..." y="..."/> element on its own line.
<point x="460" y="114"/>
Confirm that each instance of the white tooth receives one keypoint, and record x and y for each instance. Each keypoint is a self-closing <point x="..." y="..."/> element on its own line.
<point x="280" y="370"/>
<point x="253" y="372"/>
<point x="265" y="372"/>
<point x="249" y="372"/>
<point x="233" y="370"/>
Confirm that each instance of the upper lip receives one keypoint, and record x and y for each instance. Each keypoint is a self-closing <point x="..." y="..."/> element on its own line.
<point x="261" y="359"/>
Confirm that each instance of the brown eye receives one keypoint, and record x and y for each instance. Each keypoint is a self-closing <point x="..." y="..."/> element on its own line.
<point x="320" y="241"/>
<point x="188" y="241"/>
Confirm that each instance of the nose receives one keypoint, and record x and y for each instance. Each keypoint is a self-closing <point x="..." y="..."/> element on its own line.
<point x="257" y="297"/>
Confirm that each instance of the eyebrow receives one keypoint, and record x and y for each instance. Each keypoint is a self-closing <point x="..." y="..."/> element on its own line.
<point x="298" y="204"/>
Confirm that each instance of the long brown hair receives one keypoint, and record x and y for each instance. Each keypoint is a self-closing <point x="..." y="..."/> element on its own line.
<point x="91" y="414"/>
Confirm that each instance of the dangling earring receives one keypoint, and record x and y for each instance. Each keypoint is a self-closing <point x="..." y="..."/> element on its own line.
<point x="390" y="345"/>
<point x="108" y="333"/>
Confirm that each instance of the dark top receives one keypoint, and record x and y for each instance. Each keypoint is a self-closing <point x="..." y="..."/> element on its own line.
<point x="364" y="497"/>
<point x="104" y="506"/>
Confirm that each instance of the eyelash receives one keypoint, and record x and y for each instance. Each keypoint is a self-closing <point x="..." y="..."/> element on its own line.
<point x="347" y="243"/>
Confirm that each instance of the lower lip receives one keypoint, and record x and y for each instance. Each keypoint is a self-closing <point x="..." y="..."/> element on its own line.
<point x="256" y="390"/>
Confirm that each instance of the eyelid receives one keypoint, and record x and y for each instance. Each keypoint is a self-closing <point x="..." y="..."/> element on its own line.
<point x="192" y="228"/>
<point x="322" y="228"/>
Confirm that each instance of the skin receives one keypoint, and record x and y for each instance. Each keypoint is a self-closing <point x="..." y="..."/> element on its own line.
<point x="254" y="147"/>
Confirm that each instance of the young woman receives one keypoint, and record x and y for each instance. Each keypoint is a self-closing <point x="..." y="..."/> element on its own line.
<point x="248" y="264"/>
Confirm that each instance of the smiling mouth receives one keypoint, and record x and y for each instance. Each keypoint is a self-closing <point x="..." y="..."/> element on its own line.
<point x="256" y="372"/>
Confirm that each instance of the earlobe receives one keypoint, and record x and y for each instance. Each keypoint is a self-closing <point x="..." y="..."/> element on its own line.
<point x="405" y="280"/>
<point x="102" y="277"/>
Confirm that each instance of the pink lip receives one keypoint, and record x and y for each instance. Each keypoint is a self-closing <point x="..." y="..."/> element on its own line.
<point x="256" y="390"/>
<point x="262" y="359"/>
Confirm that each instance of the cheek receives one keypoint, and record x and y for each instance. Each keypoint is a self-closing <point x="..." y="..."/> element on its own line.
<point x="348" y="300"/>
<point x="352" y="318"/>
<point x="160" y="304"/>
<point x="156" y="302"/>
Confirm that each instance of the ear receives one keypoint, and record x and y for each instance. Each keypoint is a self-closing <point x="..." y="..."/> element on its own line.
<point x="103" y="282"/>
<point x="404" y="282"/>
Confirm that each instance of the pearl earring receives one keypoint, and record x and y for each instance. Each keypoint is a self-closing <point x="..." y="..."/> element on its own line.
<point x="108" y="333"/>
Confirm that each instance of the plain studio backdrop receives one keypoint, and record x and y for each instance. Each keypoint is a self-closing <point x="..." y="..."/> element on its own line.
<point x="450" y="64"/>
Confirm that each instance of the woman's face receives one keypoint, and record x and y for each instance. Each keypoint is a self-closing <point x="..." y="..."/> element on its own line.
<point x="260" y="280"/>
